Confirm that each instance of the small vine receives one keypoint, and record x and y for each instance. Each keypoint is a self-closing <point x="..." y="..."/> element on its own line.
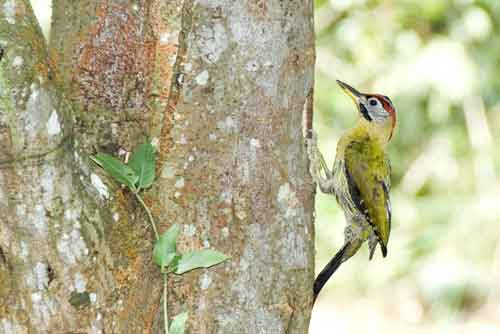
<point x="139" y="174"/>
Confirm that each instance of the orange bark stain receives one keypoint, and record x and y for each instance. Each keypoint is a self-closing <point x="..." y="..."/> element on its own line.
<point x="111" y="58"/>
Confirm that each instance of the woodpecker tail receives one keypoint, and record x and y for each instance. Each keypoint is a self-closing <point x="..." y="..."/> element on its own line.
<point x="328" y="270"/>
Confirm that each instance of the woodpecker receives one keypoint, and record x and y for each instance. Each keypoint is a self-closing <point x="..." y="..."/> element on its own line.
<point x="360" y="178"/>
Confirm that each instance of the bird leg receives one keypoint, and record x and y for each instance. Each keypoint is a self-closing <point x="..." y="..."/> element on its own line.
<point x="317" y="166"/>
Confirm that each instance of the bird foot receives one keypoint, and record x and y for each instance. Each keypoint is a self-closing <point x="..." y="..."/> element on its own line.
<point x="317" y="166"/>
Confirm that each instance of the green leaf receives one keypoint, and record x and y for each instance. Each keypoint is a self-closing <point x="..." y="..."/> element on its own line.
<point x="166" y="247"/>
<point x="117" y="169"/>
<point x="199" y="259"/>
<point x="142" y="162"/>
<point x="178" y="324"/>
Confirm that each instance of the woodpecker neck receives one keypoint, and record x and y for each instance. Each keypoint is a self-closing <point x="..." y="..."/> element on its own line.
<point x="379" y="131"/>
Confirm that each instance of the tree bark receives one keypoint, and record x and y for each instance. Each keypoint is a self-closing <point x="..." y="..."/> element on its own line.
<point x="235" y="169"/>
<point x="221" y="86"/>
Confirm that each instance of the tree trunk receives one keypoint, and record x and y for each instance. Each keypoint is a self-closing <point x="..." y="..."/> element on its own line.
<point x="221" y="86"/>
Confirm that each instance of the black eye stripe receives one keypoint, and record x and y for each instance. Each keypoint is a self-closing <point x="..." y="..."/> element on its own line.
<point x="364" y="112"/>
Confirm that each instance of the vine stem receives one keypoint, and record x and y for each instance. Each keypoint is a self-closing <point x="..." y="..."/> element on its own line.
<point x="165" y="294"/>
<point x="151" y="220"/>
<point x="165" y="278"/>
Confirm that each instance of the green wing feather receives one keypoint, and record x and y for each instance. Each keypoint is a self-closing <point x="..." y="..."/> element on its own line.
<point x="368" y="176"/>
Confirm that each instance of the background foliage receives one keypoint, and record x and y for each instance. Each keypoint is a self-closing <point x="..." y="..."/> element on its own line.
<point x="439" y="61"/>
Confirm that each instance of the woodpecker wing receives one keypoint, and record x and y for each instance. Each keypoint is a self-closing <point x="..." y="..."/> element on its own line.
<point x="368" y="173"/>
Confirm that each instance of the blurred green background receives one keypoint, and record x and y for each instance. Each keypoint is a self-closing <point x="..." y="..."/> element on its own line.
<point x="439" y="61"/>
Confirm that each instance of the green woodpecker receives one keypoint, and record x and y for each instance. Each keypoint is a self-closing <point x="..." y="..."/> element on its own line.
<point x="360" y="178"/>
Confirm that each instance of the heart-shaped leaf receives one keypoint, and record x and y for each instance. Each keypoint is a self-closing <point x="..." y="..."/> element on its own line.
<point x="117" y="169"/>
<point x="166" y="247"/>
<point x="142" y="162"/>
<point x="178" y="325"/>
<point x="199" y="259"/>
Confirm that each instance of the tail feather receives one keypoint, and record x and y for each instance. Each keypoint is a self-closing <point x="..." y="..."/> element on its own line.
<point x="328" y="270"/>
<point x="383" y="248"/>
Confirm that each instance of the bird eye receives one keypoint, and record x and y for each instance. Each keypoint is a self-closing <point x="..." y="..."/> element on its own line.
<point x="373" y="102"/>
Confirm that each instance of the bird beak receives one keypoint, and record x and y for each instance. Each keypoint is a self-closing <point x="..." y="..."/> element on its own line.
<point x="351" y="91"/>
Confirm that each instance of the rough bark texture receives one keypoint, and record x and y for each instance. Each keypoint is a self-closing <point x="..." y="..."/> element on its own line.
<point x="221" y="85"/>
<point x="55" y="267"/>
<point x="235" y="169"/>
<point x="116" y="59"/>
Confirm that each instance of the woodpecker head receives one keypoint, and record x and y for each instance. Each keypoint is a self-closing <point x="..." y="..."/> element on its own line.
<point x="375" y="109"/>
